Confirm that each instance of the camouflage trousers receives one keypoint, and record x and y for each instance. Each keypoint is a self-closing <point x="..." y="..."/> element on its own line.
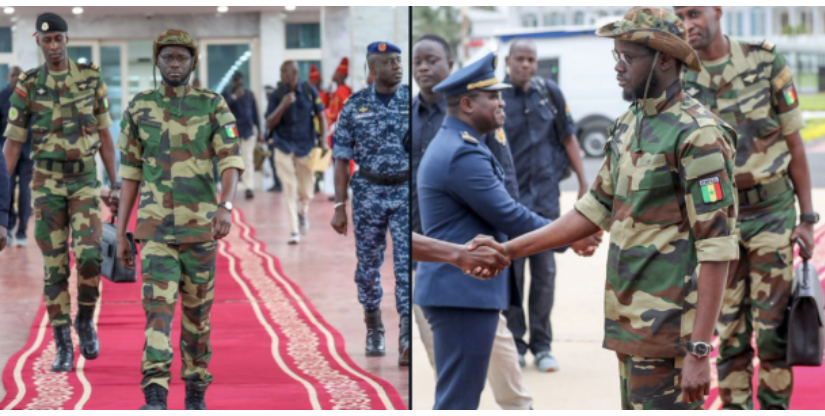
<point x="652" y="383"/>
<point x="188" y="269"/>
<point x="758" y="290"/>
<point x="65" y="203"/>
<point x="375" y="209"/>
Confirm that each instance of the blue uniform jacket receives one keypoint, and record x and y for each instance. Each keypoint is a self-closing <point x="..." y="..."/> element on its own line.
<point x="462" y="194"/>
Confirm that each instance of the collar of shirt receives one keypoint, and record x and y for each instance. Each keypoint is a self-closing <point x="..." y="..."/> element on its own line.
<point x="419" y="104"/>
<point x="174" y="92"/>
<point x="456" y="124"/>
<point x="672" y="95"/>
<point x="516" y="90"/>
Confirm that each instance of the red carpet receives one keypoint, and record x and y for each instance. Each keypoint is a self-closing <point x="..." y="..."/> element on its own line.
<point x="809" y="382"/>
<point x="271" y="349"/>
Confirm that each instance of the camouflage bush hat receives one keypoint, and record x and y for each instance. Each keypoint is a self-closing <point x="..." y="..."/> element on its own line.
<point x="655" y="28"/>
<point x="176" y="37"/>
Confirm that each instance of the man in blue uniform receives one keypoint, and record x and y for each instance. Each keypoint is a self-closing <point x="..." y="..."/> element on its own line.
<point x="21" y="178"/>
<point x="432" y="63"/>
<point x="461" y="194"/>
<point x="542" y="136"/>
<point x="370" y="130"/>
<point x="244" y="107"/>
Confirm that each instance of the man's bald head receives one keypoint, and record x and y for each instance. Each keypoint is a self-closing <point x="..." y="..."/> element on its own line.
<point x="526" y="45"/>
<point x="289" y="73"/>
<point x="522" y="62"/>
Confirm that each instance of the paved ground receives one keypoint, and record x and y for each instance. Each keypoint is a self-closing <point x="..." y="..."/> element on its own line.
<point x="577" y="326"/>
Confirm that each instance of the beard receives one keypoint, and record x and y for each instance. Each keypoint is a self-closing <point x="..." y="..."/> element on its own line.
<point x="638" y="91"/>
<point x="177" y="83"/>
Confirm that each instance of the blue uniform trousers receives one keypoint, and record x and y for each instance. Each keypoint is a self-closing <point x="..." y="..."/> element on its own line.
<point x="375" y="209"/>
<point x="462" y="341"/>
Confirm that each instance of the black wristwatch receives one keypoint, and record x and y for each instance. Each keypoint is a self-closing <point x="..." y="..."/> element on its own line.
<point x="699" y="349"/>
<point x="811" y="218"/>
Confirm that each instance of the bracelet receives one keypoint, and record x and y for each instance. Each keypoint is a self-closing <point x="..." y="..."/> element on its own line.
<point x="340" y="204"/>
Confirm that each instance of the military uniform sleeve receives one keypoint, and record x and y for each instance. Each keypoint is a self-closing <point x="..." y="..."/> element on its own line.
<point x="706" y="175"/>
<point x="101" y="110"/>
<point x="225" y="139"/>
<point x="19" y="114"/>
<point x="474" y="182"/>
<point x="597" y="205"/>
<point x="131" y="148"/>
<point x="343" y="142"/>
<point x="783" y="97"/>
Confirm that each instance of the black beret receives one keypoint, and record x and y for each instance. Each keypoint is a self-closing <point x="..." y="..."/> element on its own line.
<point x="50" y="22"/>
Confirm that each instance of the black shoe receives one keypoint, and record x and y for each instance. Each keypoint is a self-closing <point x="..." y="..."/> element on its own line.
<point x="84" y="325"/>
<point x="64" y="354"/>
<point x="195" y="398"/>
<point x="250" y="194"/>
<point x="375" y="334"/>
<point x="274" y="188"/>
<point x="404" y="342"/>
<point x="155" y="395"/>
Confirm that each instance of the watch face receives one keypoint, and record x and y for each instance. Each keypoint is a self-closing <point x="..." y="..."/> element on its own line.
<point x="701" y="349"/>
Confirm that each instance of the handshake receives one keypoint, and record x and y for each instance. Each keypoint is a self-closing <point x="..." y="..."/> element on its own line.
<point x="484" y="257"/>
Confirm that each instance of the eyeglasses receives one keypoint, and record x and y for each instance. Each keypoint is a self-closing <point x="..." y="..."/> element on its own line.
<point x="627" y="59"/>
<point x="181" y="59"/>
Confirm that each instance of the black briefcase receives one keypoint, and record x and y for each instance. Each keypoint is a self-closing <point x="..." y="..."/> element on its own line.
<point x="112" y="269"/>
<point x="806" y="318"/>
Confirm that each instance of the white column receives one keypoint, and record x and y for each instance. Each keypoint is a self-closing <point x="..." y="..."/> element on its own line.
<point x="273" y="45"/>
<point x="335" y="40"/>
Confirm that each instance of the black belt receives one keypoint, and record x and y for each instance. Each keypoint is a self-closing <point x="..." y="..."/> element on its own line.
<point x="67" y="166"/>
<point x="762" y="192"/>
<point x="385" y="180"/>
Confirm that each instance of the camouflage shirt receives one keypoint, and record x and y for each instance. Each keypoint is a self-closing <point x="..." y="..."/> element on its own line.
<point x="65" y="115"/>
<point x="169" y="138"/>
<point x="752" y="89"/>
<point x="669" y="204"/>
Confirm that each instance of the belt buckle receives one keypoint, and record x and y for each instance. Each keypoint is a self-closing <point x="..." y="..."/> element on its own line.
<point x="763" y="193"/>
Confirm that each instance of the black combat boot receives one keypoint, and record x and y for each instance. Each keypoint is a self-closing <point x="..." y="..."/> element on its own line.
<point x="195" y="397"/>
<point x="64" y="357"/>
<point x="155" y="395"/>
<point x="375" y="334"/>
<point x="85" y="327"/>
<point x="404" y="342"/>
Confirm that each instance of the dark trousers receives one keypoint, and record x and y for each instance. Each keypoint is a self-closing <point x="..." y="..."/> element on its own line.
<point x="22" y="177"/>
<point x="539" y="303"/>
<point x="463" y="341"/>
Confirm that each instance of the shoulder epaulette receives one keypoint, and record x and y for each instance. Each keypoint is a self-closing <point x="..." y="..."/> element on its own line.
<point x="28" y="74"/>
<point x="765" y="45"/>
<point x="467" y="137"/>
<point x="90" y="65"/>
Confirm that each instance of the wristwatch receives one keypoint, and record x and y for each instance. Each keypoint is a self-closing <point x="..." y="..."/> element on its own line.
<point x="226" y="205"/>
<point x="811" y="218"/>
<point x="699" y="349"/>
<point x="114" y="186"/>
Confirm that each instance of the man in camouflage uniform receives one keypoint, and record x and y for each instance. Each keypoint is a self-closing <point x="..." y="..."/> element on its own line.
<point x="370" y="131"/>
<point x="169" y="137"/>
<point x="665" y="193"/>
<point x="750" y="86"/>
<point x="65" y="106"/>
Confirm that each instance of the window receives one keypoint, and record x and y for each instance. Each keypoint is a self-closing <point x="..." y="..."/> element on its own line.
<point x="4" y="75"/>
<point x="223" y="61"/>
<point x="5" y="39"/>
<point x="757" y="21"/>
<point x="303" y="69"/>
<point x="554" y="19"/>
<point x="529" y="20"/>
<point x="740" y="27"/>
<point x="303" y="35"/>
<point x="578" y="19"/>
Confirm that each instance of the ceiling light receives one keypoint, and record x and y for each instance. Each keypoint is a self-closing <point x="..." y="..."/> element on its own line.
<point x="223" y="9"/>
<point x="77" y="10"/>
<point x="290" y="8"/>
<point x="8" y="10"/>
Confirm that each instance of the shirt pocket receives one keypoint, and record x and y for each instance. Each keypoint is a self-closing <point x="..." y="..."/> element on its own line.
<point x="756" y="117"/>
<point x="83" y="106"/>
<point x="42" y="111"/>
<point x="151" y="132"/>
<point x="653" y="198"/>
<point x="200" y="132"/>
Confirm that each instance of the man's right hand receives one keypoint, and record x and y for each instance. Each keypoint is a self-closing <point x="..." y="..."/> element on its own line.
<point x="339" y="220"/>
<point x="124" y="252"/>
<point x="490" y="257"/>
<point x="288" y="100"/>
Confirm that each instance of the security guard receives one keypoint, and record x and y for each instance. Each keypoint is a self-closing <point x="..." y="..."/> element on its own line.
<point x="665" y="193"/>
<point x="169" y="138"/>
<point x="370" y="131"/>
<point x="750" y="86"/>
<point x="65" y="106"/>
<point x="461" y="194"/>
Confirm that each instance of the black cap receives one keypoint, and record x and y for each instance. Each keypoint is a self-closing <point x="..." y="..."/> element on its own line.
<point x="50" y="22"/>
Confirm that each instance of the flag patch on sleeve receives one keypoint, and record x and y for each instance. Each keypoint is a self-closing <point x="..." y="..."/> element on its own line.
<point x="232" y="131"/>
<point x="790" y="95"/>
<point x="711" y="190"/>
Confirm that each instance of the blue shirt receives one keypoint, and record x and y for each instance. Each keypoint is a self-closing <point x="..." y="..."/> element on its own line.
<point x="245" y="110"/>
<point x="462" y="194"/>
<point x="5" y="105"/>
<point x="296" y="131"/>
<point x="539" y="155"/>
<point x="372" y="133"/>
<point x="426" y="121"/>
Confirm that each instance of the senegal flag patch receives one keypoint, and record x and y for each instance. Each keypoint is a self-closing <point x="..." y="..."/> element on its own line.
<point x="106" y="103"/>
<point x="790" y="95"/>
<point x="711" y="190"/>
<point x="232" y="131"/>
